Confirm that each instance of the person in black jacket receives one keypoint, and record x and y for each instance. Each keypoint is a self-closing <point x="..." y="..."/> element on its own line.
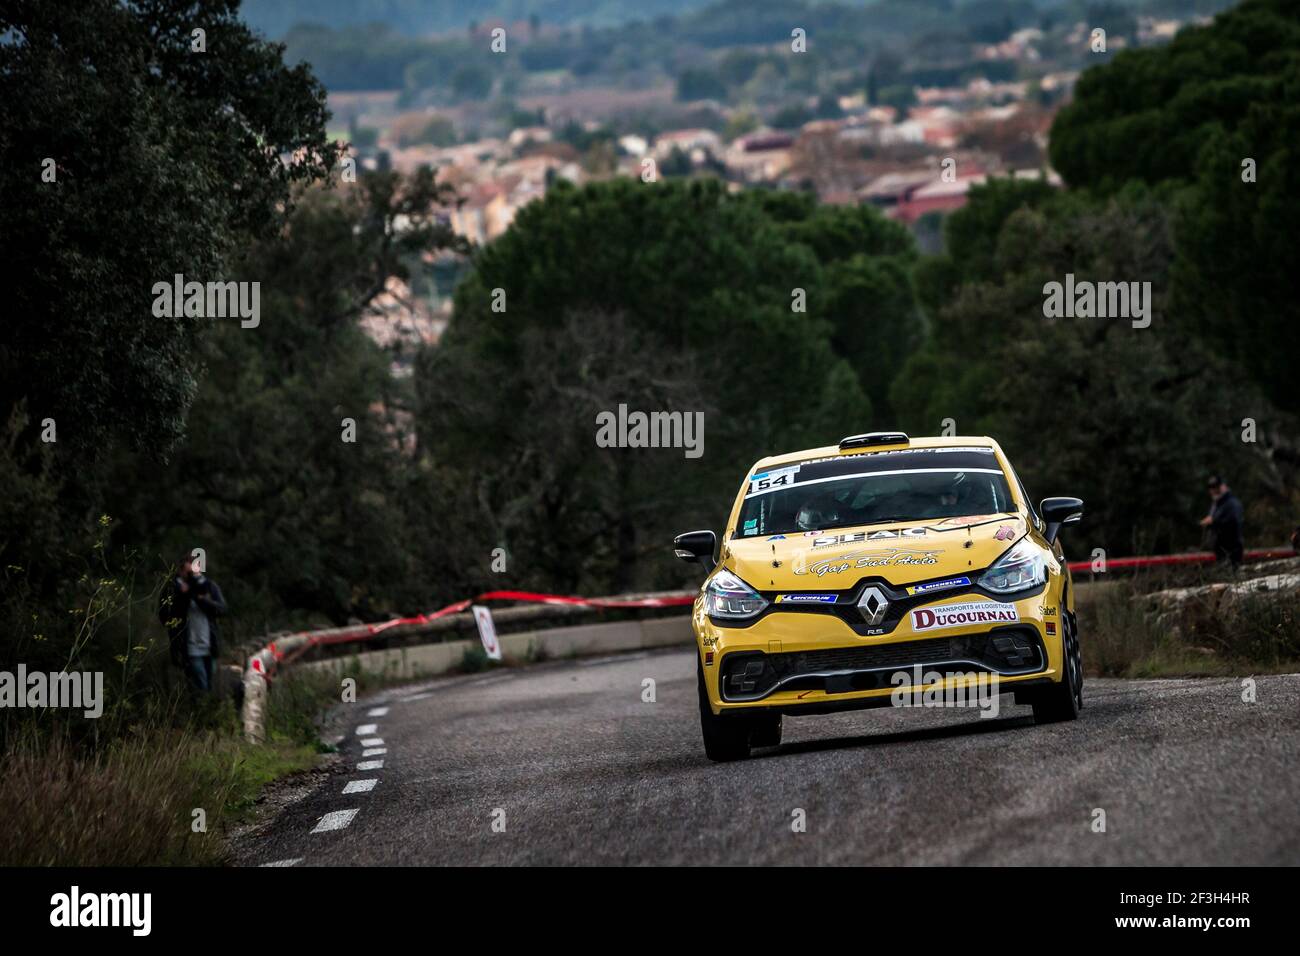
<point x="188" y="607"/>
<point x="1225" y="522"/>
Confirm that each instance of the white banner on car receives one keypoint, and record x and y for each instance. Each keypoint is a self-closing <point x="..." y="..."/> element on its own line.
<point x="487" y="631"/>
<point x="944" y="616"/>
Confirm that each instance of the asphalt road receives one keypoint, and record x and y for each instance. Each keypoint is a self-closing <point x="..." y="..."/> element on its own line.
<point x="564" y="763"/>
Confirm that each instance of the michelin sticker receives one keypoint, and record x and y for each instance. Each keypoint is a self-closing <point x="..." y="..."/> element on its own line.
<point x="805" y="598"/>
<point x="939" y="585"/>
<point x="962" y="615"/>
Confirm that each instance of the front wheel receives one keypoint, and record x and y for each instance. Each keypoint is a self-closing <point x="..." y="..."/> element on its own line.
<point x="766" y="730"/>
<point x="725" y="737"/>
<point x="1063" y="701"/>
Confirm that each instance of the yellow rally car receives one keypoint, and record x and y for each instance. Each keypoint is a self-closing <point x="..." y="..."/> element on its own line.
<point x="848" y="571"/>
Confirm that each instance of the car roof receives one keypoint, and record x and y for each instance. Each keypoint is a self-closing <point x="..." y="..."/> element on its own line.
<point x="829" y="451"/>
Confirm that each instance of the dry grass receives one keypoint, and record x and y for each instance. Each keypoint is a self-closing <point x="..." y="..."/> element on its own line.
<point x="127" y="795"/>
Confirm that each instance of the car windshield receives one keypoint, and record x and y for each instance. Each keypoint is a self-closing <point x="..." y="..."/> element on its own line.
<point x="873" y="487"/>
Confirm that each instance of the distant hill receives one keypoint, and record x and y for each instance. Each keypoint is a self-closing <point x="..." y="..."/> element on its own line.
<point x="276" y="17"/>
<point x="415" y="17"/>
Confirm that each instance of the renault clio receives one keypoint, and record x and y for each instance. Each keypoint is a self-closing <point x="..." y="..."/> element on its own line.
<point x="845" y="571"/>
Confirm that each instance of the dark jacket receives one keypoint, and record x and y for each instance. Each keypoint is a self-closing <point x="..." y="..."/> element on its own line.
<point x="174" y="613"/>
<point x="1226" y="518"/>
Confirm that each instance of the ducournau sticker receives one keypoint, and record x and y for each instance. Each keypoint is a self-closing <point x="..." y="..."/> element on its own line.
<point x="962" y="615"/>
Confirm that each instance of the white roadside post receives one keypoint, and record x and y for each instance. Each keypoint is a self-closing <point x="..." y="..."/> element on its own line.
<point x="255" y="698"/>
<point x="487" y="631"/>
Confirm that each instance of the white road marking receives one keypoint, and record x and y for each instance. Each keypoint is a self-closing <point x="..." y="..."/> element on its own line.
<point x="373" y="742"/>
<point x="371" y="765"/>
<point x="294" y="862"/>
<point x="334" y="820"/>
<point x="407" y="700"/>
<point x="361" y="786"/>
<point x="366" y="729"/>
<point x="377" y="712"/>
<point x="374" y="751"/>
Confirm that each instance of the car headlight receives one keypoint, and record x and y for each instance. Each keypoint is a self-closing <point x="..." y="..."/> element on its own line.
<point x="1021" y="568"/>
<point x="726" y="596"/>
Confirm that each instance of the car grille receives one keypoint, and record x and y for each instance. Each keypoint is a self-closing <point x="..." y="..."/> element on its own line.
<point x="861" y="658"/>
<point x="751" y="675"/>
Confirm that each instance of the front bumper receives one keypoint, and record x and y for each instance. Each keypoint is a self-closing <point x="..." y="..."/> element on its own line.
<point x="798" y="662"/>
<point x="753" y="675"/>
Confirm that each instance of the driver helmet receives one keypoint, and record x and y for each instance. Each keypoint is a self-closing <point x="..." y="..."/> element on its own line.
<point x="817" y="513"/>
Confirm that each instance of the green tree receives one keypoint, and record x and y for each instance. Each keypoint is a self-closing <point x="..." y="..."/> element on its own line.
<point x="700" y="84"/>
<point x="471" y="82"/>
<point x="1212" y="117"/>
<point x="872" y="308"/>
<point x="701" y="283"/>
<point x="307" y="521"/>
<point x="865" y="291"/>
<point x="163" y="160"/>
<point x="1129" y="419"/>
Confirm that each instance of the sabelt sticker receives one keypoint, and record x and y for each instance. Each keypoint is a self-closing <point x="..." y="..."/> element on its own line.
<point x="963" y="615"/>
<point x="939" y="585"/>
<point x="805" y="598"/>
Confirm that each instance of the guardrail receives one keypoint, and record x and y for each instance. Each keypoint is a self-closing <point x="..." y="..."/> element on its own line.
<point x="283" y="650"/>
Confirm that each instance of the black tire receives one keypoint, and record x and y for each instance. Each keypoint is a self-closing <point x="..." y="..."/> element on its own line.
<point x="725" y="737"/>
<point x="1063" y="701"/>
<point x="766" y="730"/>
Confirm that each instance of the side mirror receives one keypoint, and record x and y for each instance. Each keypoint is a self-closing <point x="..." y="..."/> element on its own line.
<point x="1057" y="512"/>
<point x="698" y="546"/>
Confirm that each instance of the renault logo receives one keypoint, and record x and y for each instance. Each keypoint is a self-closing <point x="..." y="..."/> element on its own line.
<point x="873" y="604"/>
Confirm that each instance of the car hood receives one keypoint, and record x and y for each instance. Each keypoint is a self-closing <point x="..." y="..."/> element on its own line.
<point x="899" y="552"/>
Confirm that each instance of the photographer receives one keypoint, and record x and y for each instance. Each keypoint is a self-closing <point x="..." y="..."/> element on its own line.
<point x="1224" y="522"/>
<point x="188" y="607"/>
